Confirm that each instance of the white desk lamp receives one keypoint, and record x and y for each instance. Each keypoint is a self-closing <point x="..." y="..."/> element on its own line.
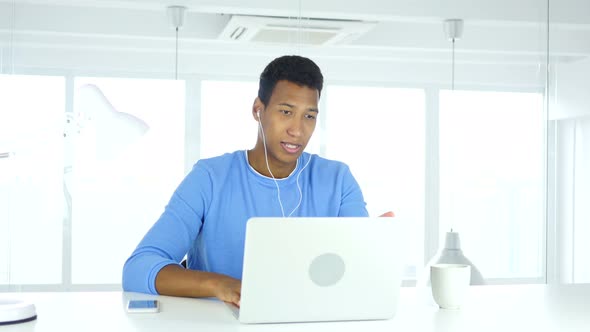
<point x="14" y="311"/>
<point x="114" y="131"/>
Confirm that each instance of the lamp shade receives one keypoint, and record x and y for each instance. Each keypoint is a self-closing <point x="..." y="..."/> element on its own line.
<point x="176" y="15"/>
<point x="451" y="253"/>
<point x="114" y="130"/>
<point x="453" y="28"/>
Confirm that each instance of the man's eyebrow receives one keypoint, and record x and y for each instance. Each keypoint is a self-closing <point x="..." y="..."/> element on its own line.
<point x="292" y="106"/>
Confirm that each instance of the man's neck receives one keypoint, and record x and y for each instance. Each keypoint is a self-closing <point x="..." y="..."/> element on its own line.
<point x="257" y="160"/>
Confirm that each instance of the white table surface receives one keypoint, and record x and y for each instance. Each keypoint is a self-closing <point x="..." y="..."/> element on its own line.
<point x="503" y="308"/>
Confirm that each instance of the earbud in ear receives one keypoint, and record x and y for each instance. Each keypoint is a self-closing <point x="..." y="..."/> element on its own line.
<point x="258" y="113"/>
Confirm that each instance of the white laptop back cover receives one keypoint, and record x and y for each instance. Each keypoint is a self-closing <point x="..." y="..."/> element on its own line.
<point x="320" y="269"/>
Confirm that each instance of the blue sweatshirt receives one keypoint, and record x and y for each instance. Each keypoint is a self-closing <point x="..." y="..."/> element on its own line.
<point x="207" y="214"/>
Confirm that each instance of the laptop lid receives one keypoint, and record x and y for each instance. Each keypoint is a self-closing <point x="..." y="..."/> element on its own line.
<point x="320" y="269"/>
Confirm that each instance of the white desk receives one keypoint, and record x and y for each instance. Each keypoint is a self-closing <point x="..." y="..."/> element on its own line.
<point x="529" y="308"/>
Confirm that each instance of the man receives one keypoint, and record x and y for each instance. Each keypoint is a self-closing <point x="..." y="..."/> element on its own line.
<point x="207" y="214"/>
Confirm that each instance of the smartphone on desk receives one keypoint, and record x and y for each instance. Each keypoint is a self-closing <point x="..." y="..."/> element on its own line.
<point x="143" y="306"/>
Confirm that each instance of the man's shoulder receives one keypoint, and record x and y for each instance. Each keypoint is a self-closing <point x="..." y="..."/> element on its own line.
<point x="208" y="171"/>
<point x="225" y="159"/>
<point x="326" y="164"/>
<point x="218" y="164"/>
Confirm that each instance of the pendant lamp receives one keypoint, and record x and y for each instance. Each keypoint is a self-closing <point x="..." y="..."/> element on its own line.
<point x="176" y="18"/>
<point x="453" y="30"/>
<point x="451" y="253"/>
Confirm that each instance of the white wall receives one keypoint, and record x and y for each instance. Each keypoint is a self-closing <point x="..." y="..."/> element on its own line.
<point x="570" y="90"/>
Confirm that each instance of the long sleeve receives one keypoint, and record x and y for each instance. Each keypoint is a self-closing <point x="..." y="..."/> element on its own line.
<point x="171" y="236"/>
<point x="352" y="201"/>
<point x="207" y="215"/>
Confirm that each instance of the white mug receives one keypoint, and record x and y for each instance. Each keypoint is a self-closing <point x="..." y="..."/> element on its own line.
<point x="449" y="284"/>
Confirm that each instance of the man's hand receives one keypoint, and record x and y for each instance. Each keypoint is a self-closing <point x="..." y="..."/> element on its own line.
<point x="175" y="280"/>
<point x="388" y="214"/>
<point x="228" y="289"/>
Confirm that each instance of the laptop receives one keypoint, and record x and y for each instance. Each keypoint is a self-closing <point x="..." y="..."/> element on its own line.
<point x="320" y="269"/>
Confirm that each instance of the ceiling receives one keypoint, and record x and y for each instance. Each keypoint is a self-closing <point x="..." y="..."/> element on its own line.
<point x="512" y="34"/>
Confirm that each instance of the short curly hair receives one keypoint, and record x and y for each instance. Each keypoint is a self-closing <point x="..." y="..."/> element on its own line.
<point x="293" y="68"/>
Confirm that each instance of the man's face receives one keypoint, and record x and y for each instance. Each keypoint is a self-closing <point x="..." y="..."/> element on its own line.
<point x="289" y="120"/>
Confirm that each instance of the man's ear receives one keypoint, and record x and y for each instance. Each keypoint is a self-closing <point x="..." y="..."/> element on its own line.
<point x="257" y="108"/>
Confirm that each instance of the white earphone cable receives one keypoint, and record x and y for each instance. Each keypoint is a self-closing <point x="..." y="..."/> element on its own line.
<point x="299" y="188"/>
<point x="268" y="166"/>
<point x="275" y="180"/>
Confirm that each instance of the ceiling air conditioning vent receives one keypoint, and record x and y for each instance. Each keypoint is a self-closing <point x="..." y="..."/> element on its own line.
<point x="312" y="31"/>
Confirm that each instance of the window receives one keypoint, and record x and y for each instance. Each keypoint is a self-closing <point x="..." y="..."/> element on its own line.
<point x="98" y="191"/>
<point x="379" y="133"/>
<point x="392" y="120"/>
<point x="492" y="179"/>
<point x="226" y="117"/>
<point x="122" y="174"/>
<point x="31" y="173"/>
<point x="79" y="189"/>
